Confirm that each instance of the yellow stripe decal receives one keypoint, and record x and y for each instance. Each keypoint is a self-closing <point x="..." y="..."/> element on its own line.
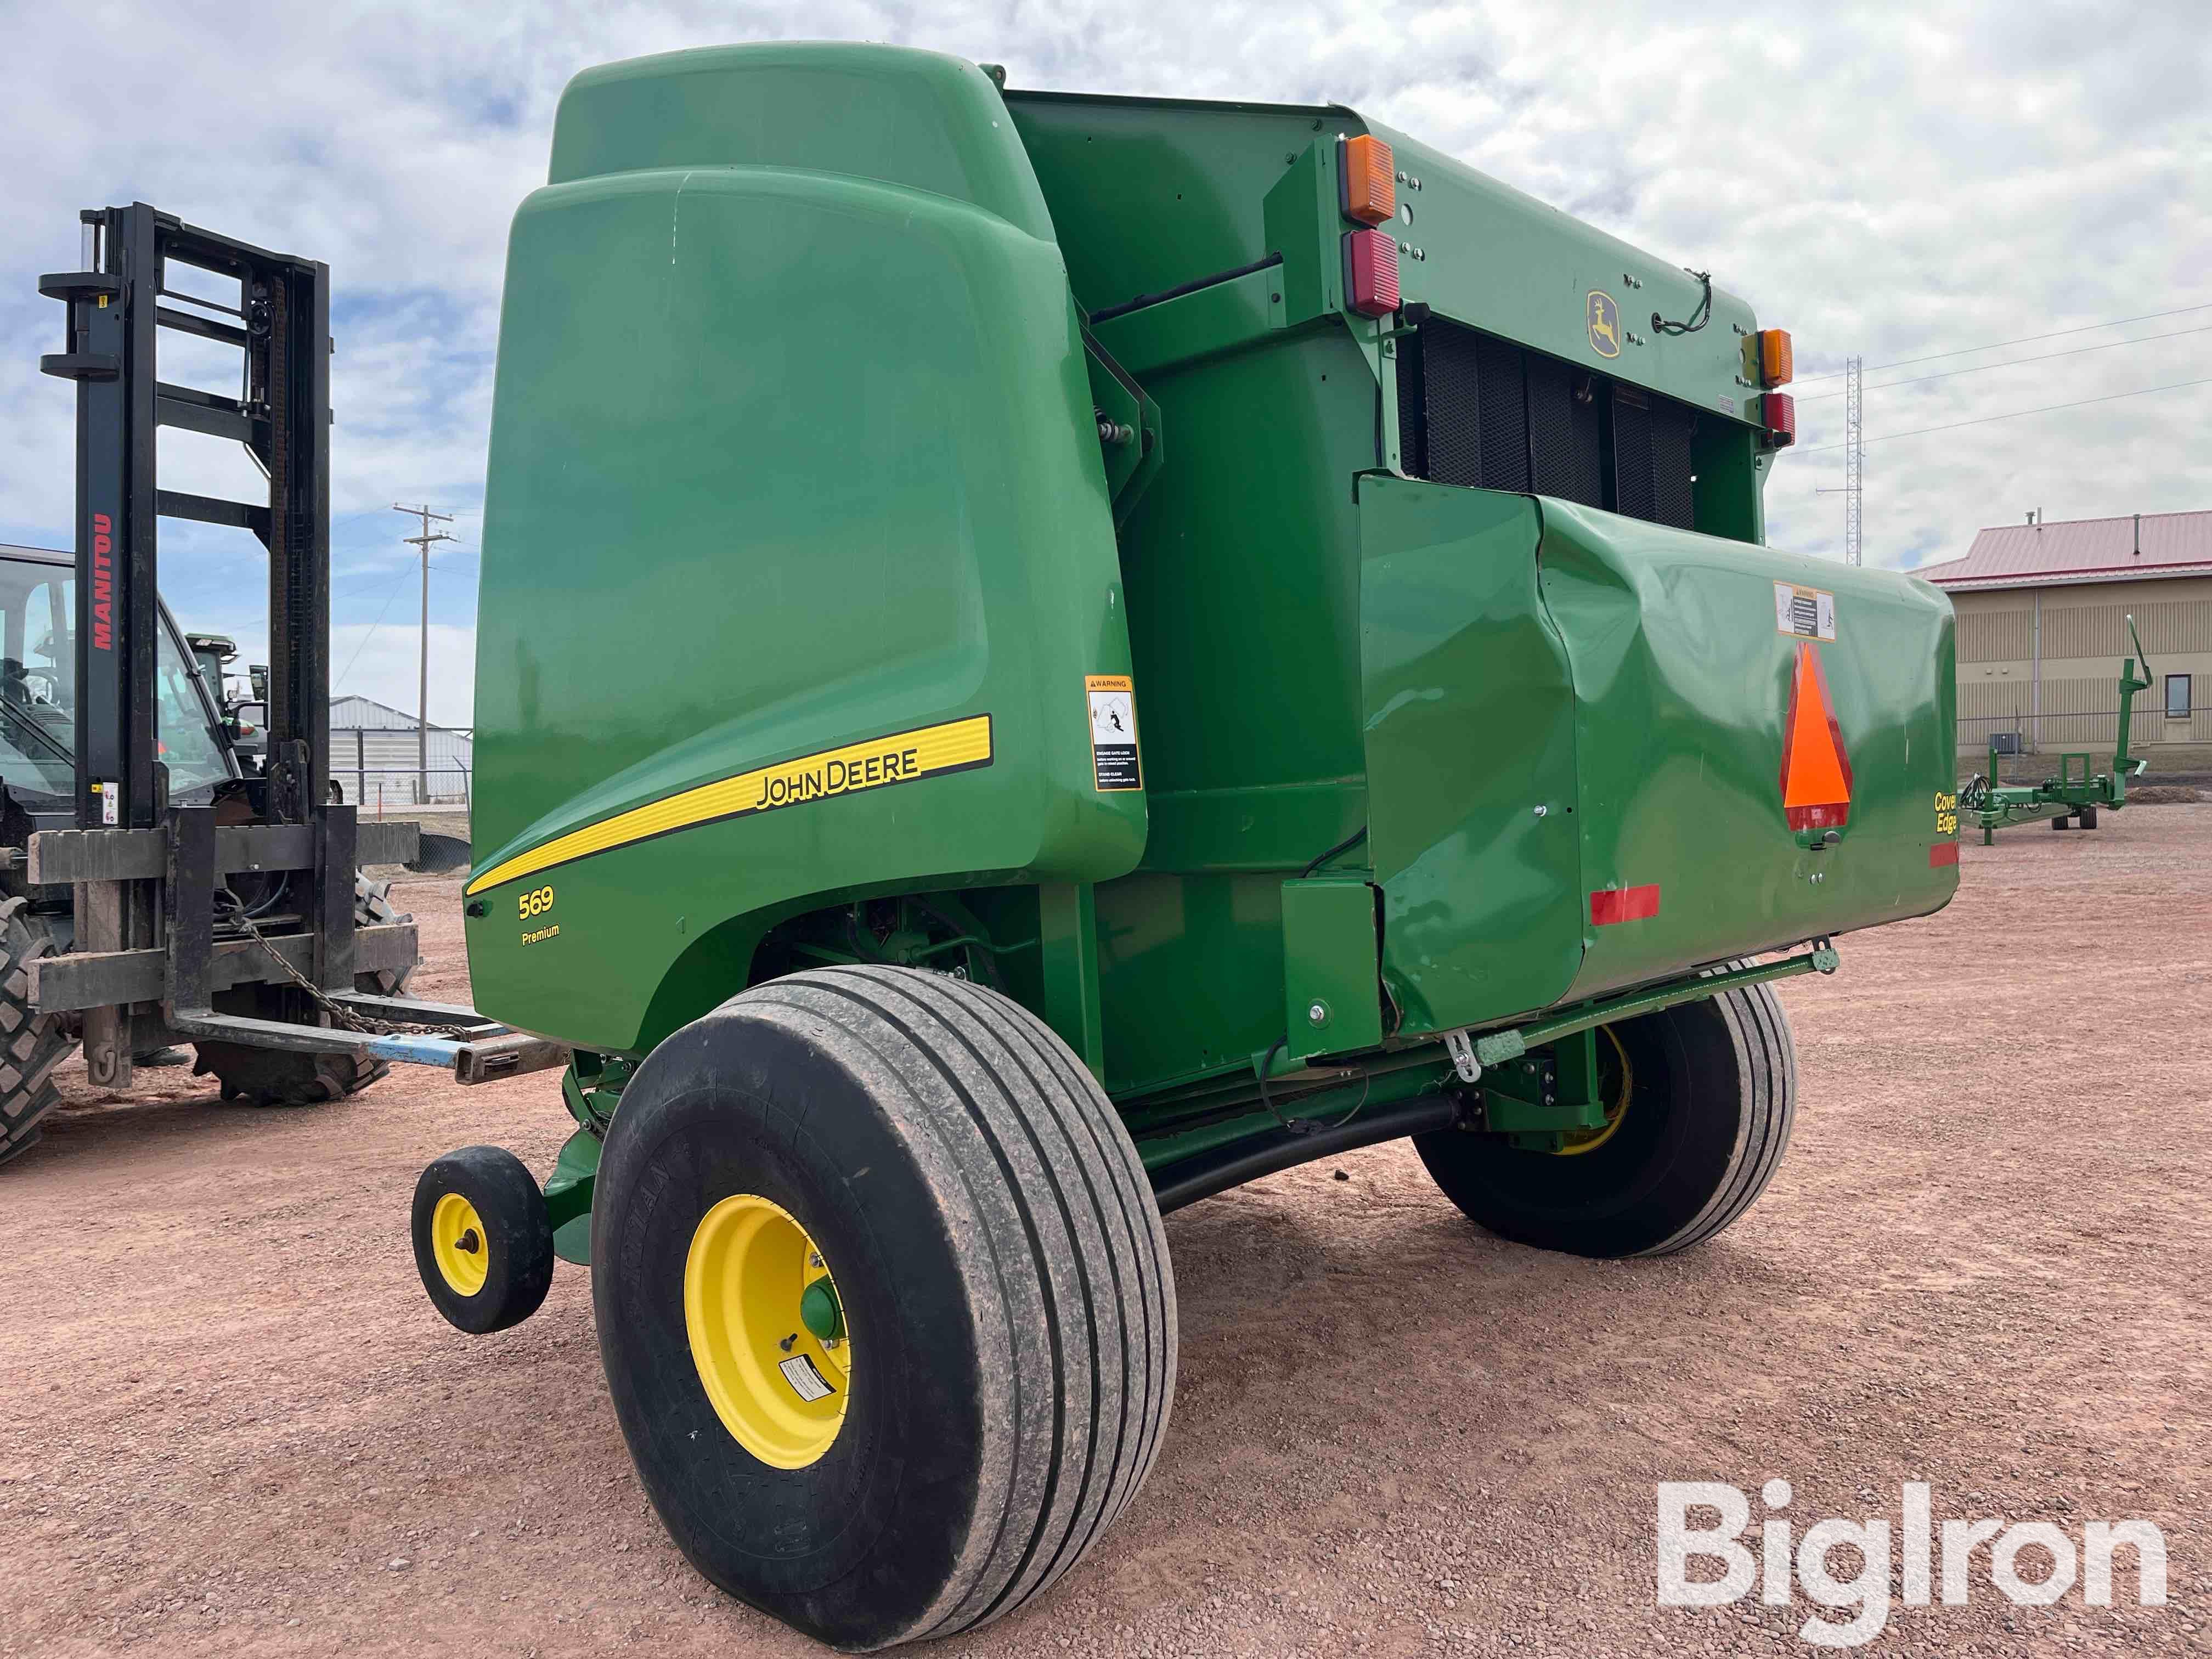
<point x="903" y="757"/>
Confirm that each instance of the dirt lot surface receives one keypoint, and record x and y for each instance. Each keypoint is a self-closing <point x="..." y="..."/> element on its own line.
<point x="235" y="1425"/>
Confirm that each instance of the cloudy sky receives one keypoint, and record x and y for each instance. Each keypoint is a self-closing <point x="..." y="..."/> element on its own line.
<point x="1897" y="181"/>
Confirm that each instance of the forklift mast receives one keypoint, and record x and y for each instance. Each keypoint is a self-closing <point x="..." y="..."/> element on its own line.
<point x="159" y="932"/>
<point x="282" y="414"/>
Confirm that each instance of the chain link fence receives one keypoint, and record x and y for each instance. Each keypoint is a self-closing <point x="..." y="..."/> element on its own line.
<point x="377" y="768"/>
<point x="2051" y="731"/>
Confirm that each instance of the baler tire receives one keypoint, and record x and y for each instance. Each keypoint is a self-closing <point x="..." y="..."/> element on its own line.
<point x="2058" y="822"/>
<point x="974" y="1198"/>
<point x="31" y="1044"/>
<point x="2086" y="817"/>
<point x="280" y="1077"/>
<point x="514" y="1235"/>
<point x="1706" y="1123"/>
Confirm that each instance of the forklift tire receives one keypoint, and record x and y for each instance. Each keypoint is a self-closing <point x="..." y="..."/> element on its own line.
<point x="483" y="1243"/>
<point x="31" y="1044"/>
<point x="924" y="1158"/>
<point x="287" y="1077"/>
<point x="1709" y="1090"/>
<point x="2086" y="817"/>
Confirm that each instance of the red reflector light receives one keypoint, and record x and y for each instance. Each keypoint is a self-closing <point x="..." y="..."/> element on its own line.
<point x="1612" y="904"/>
<point x="1942" y="854"/>
<point x="1370" y="273"/>
<point x="1779" y="410"/>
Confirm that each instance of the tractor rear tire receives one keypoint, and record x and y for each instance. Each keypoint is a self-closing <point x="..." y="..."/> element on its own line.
<point x="1712" y="1091"/>
<point x="999" y="1312"/>
<point x="31" y="1044"/>
<point x="287" y="1077"/>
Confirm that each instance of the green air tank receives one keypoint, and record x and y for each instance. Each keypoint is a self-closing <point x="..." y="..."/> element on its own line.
<point x="1040" y="656"/>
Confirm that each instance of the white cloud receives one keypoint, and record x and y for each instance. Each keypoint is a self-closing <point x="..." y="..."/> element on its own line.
<point x="381" y="663"/>
<point x="1888" y="180"/>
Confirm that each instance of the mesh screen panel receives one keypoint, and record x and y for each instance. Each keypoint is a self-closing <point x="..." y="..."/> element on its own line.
<point x="1475" y="410"/>
<point x="1413" y="419"/>
<point x="1632" y="490"/>
<point x="1451" y="398"/>
<point x="1671" y="425"/>
<point x="1566" y="448"/>
<point x="1504" y="414"/>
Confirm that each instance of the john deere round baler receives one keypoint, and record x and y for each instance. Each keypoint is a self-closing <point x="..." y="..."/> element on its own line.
<point x="1041" y="657"/>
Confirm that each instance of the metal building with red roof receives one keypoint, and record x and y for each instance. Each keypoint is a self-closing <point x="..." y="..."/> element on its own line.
<point x="2043" y="612"/>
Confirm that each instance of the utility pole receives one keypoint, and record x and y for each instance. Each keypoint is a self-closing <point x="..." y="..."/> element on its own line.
<point x="423" y="685"/>
<point x="1854" y="455"/>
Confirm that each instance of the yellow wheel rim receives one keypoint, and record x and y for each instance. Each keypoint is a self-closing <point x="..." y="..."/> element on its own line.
<point x="457" y="1244"/>
<point x="1616" y="1101"/>
<point x="767" y="1331"/>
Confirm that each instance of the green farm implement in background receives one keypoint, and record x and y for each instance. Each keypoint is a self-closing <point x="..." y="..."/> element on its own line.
<point x="2076" y="795"/>
<point x="1162" y="640"/>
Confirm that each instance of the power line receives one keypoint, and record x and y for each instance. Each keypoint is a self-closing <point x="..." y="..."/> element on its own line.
<point x="1854" y="456"/>
<point x="2024" y="339"/>
<point x="2014" y="362"/>
<point x="2014" y="415"/>
<point x="372" y="626"/>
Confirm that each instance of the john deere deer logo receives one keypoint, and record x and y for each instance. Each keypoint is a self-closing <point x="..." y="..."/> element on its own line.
<point x="1604" y="324"/>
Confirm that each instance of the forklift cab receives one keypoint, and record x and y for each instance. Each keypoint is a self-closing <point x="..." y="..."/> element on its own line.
<point x="38" y="696"/>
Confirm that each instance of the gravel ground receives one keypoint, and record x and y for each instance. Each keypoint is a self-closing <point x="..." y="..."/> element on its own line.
<point x="236" y="1425"/>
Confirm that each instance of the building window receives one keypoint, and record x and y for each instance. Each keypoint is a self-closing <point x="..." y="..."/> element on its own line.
<point x="2177" y="697"/>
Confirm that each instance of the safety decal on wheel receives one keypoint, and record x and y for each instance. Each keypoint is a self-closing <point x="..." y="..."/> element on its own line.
<point x="806" y="1382"/>
<point x="1114" y="730"/>
<point x="1804" y="613"/>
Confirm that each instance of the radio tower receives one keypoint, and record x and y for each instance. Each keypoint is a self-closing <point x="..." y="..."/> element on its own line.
<point x="1854" y="456"/>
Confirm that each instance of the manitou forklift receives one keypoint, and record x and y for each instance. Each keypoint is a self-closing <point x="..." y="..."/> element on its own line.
<point x="157" y="886"/>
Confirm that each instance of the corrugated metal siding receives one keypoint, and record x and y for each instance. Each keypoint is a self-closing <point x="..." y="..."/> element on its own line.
<point x="379" y="763"/>
<point x="1987" y="700"/>
<point x="2101" y="630"/>
<point x="1996" y="636"/>
<point x="2185" y="625"/>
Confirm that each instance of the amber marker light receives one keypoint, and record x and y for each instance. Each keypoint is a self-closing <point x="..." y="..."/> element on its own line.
<point x="1776" y="363"/>
<point x="1367" y="183"/>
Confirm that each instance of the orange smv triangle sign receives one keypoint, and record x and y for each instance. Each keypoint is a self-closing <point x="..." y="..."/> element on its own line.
<point x="1816" y="773"/>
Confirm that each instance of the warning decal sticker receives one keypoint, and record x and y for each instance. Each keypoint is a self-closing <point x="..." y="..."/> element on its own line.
<point x="806" y="1382"/>
<point x="1113" y="700"/>
<point x="1806" y="613"/>
<point x="1816" y="772"/>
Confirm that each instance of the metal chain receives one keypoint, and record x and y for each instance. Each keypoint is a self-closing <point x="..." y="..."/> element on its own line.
<point x="342" y="1016"/>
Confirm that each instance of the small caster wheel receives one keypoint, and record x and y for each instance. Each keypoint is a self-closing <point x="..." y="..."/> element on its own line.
<point x="2058" y="823"/>
<point x="482" y="1241"/>
<point x="2087" y="817"/>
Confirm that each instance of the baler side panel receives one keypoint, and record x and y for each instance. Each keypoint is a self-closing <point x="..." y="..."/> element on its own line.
<point x="1149" y="193"/>
<point x="781" y="461"/>
<point x="1243" y="591"/>
<point x="1470" y="740"/>
<point x="921" y="119"/>
<point x="1683" y="682"/>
